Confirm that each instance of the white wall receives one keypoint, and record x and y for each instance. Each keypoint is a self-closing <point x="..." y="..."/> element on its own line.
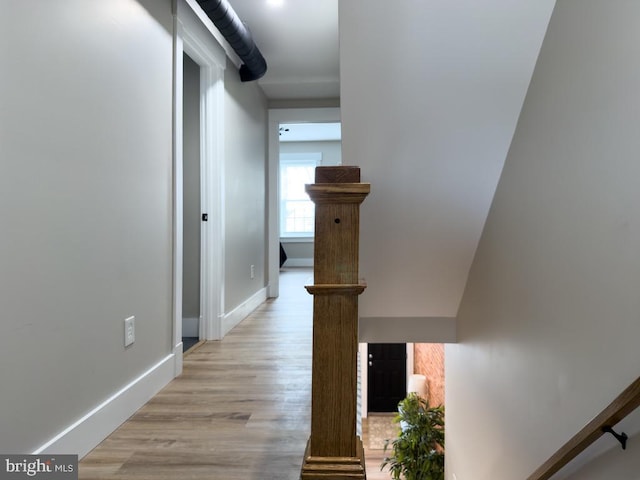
<point x="245" y="202"/>
<point x="548" y="325"/>
<point x="85" y="207"/>
<point x="430" y="94"/>
<point x="331" y="151"/>
<point x="615" y="463"/>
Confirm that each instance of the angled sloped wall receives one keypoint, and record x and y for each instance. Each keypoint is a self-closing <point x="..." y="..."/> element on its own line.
<point x="430" y="96"/>
<point x="548" y="325"/>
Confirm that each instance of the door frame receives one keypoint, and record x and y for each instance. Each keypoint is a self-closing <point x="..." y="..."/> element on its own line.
<point x="194" y="38"/>
<point x="276" y="117"/>
<point x="364" y="374"/>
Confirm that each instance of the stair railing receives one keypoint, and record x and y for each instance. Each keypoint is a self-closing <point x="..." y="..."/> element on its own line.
<point x="623" y="405"/>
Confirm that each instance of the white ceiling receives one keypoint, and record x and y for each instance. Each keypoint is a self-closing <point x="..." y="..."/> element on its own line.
<point x="299" y="41"/>
<point x="309" y="132"/>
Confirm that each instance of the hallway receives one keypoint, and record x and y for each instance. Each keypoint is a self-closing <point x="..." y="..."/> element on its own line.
<point x="239" y="411"/>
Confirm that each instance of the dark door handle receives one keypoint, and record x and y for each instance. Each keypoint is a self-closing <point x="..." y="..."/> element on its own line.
<point x="205" y="217"/>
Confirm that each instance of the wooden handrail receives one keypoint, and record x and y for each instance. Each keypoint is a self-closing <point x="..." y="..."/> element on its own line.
<point x="622" y="406"/>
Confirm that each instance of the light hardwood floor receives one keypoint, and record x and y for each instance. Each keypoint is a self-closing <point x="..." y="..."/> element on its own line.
<point x="239" y="411"/>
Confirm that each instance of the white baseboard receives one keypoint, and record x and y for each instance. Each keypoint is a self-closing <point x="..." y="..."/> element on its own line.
<point x="190" y="327"/>
<point x="86" y="433"/>
<point x="178" y="359"/>
<point x="241" y="312"/>
<point x="298" y="262"/>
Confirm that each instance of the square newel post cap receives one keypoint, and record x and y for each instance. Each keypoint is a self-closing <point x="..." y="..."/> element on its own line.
<point x="335" y="185"/>
<point x="338" y="174"/>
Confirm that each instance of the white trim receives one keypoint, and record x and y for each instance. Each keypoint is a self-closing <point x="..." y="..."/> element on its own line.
<point x="87" y="432"/>
<point x="310" y="239"/>
<point x="364" y="379"/>
<point x="178" y="355"/>
<point x="212" y="189"/>
<point x="195" y="38"/>
<point x="243" y="310"/>
<point x="306" y="160"/>
<point x="410" y="362"/>
<point x="206" y="22"/>
<point x="276" y="117"/>
<point x="178" y="204"/>
<point x="297" y="238"/>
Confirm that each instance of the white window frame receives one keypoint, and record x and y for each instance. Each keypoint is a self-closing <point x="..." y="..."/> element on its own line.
<point x="303" y="158"/>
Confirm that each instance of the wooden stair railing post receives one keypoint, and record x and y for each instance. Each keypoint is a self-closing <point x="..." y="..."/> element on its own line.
<point x="334" y="451"/>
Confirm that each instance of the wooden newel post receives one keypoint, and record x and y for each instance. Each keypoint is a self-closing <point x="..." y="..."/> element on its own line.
<point x="334" y="451"/>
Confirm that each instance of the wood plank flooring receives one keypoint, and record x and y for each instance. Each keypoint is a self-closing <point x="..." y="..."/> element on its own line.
<point x="239" y="411"/>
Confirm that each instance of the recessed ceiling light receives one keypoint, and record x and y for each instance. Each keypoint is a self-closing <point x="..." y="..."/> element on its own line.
<point x="275" y="3"/>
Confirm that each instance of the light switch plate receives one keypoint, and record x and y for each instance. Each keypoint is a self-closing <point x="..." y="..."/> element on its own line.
<point x="129" y="331"/>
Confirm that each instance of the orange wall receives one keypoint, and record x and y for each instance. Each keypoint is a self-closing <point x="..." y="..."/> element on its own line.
<point x="429" y="361"/>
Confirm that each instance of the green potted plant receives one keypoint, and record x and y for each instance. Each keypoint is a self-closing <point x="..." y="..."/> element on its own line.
<point x="418" y="452"/>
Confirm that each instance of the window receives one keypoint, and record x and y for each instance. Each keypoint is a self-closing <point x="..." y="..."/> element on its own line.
<point x="297" y="211"/>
